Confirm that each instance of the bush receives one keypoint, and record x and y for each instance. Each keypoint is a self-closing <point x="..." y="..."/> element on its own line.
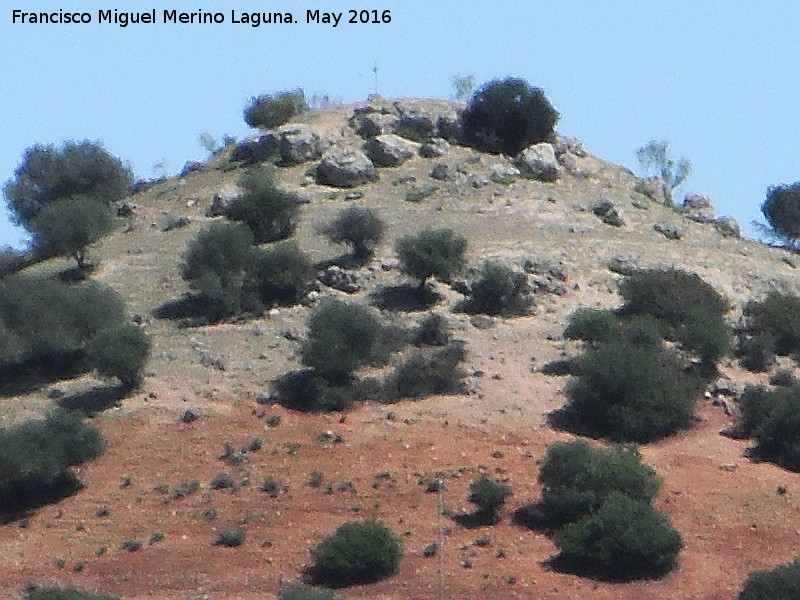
<point x="671" y="294"/>
<point x="778" y="437"/>
<point x="359" y="227"/>
<point x="630" y="393"/>
<point x="706" y="334"/>
<point x="120" y="352"/>
<point x="592" y="325"/>
<point x="270" y="111"/>
<point x="757" y="352"/>
<point x="488" y="495"/>
<point x="758" y="405"/>
<point x="357" y="552"/>
<point x="35" y="457"/>
<point x="216" y="265"/>
<point x="283" y="274"/>
<point x="780" y="583"/>
<point x="270" y="212"/>
<point x="782" y="211"/>
<point x="433" y="330"/>
<point x="577" y="479"/>
<point x="63" y="196"/>
<point x="507" y="116"/>
<point x="431" y="253"/>
<point x="297" y="590"/>
<point x="498" y="291"/>
<point x="231" y="538"/>
<point x="425" y="373"/>
<point x="340" y="339"/>
<point x="68" y="593"/>
<point x="778" y="316"/>
<point x="625" y="539"/>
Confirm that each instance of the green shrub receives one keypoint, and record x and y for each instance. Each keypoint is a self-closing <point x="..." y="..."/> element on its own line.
<point x="271" y="486"/>
<point x="270" y="212"/>
<point x="282" y="274"/>
<point x="592" y="325"/>
<point x="625" y="539"/>
<point x="759" y="404"/>
<point x="577" y="479"/>
<point x="359" y="227"/>
<point x="67" y="227"/>
<point x="498" y="291"/>
<point x="782" y="211"/>
<point x="631" y="393"/>
<point x="35" y="457"/>
<point x="756" y="352"/>
<point x="67" y="593"/>
<point x="425" y="373"/>
<point x="488" y="495"/>
<point x="780" y="583"/>
<point x="216" y="265"/>
<point x="431" y="253"/>
<point x="777" y="315"/>
<point x="120" y="351"/>
<point x="433" y="330"/>
<point x="231" y="538"/>
<point x="340" y="339"/>
<point x="507" y="116"/>
<point x="297" y="590"/>
<point x="270" y="111"/>
<point x="706" y="334"/>
<point x="670" y="294"/>
<point x="357" y="552"/>
<point x="778" y="437"/>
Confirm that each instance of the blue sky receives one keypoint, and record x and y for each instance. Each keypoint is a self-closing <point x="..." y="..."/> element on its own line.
<point x="720" y="80"/>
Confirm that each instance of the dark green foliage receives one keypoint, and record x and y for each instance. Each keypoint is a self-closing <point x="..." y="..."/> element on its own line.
<point x="706" y="334"/>
<point x="488" y="495"/>
<point x="35" y="456"/>
<point x="63" y="196"/>
<point x="297" y="590"/>
<point x="433" y="330"/>
<point x="357" y="552"/>
<point x="120" y="351"/>
<point x="670" y="294"/>
<point x="78" y="170"/>
<point x="757" y="352"/>
<point x="223" y="481"/>
<point x="625" y="539"/>
<point x="271" y="486"/>
<point x="282" y="274"/>
<point x="216" y="265"/>
<point x="592" y="325"/>
<point x="782" y="211"/>
<point x="758" y="405"/>
<point x="67" y="227"/>
<point x="359" y="227"/>
<point x="577" y="479"/>
<point x="340" y="339"/>
<point x="630" y="393"/>
<point x="498" y="291"/>
<point x="507" y="116"/>
<point x="425" y="373"/>
<point x="308" y="391"/>
<point x="777" y="315"/>
<point x="273" y="110"/>
<point x="67" y="593"/>
<point x="270" y="212"/>
<point x="778" y="437"/>
<point x="12" y="261"/>
<point x="431" y="253"/>
<point x="230" y="538"/>
<point x="780" y="583"/>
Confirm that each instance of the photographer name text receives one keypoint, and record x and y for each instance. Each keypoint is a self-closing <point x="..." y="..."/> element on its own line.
<point x="201" y="17"/>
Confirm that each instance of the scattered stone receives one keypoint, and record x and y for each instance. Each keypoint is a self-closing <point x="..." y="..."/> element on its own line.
<point x="418" y="193"/>
<point x="698" y="207"/>
<point x="568" y="143"/>
<point x="539" y="162"/>
<point x="549" y="268"/>
<point x="177" y="223"/>
<point x="191" y="414"/>
<point x="547" y="285"/>
<point x="354" y="196"/>
<point x="391" y="150"/>
<point x="478" y="180"/>
<point x="445" y="172"/>
<point x="727" y="387"/>
<point x="504" y="173"/>
<point x="609" y="213"/>
<point x="482" y="321"/>
<point x="435" y="148"/>
<point x="728" y="226"/>
<point x="624" y="264"/>
<point x="126" y="209"/>
<point x="223" y="201"/>
<point x="345" y="167"/>
<point x="789" y="261"/>
<point x="341" y="279"/>
<point x="668" y="231"/>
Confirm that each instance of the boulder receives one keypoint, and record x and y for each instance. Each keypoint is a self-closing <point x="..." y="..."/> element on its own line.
<point x="624" y="264"/>
<point x="671" y="232"/>
<point x="450" y="128"/>
<point x="340" y="279"/>
<point x="609" y="213"/>
<point x="728" y="227"/>
<point x="391" y="150"/>
<point x="539" y="162"/>
<point x="503" y="172"/>
<point x="653" y="188"/>
<point x="698" y="207"/>
<point x="372" y="124"/>
<point x="345" y="167"/>
<point x="223" y="200"/>
<point x="260" y="150"/>
<point x="563" y="144"/>
<point x="298" y="144"/>
<point x="445" y="172"/>
<point x="434" y="148"/>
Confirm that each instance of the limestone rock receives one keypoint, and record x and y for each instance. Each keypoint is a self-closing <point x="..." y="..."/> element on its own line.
<point x="434" y="148"/>
<point x="653" y="188"/>
<point x="341" y="279"/>
<point x="698" y="207"/>
<point x="609" y="213"/>
<point x="391" y="150"/>
<point x="345" y="167"/>
<point x="257" y="151"/>
<point x="539" y="162"/>
<point x="298" y="144"/>
<point x="728" y="226"/>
